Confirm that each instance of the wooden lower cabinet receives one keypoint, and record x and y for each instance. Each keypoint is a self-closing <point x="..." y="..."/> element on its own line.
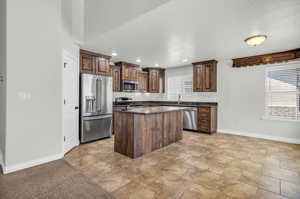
<point x="116" y="108"/>
<point x="139" y="134"/>
<point x="207" y="119"/>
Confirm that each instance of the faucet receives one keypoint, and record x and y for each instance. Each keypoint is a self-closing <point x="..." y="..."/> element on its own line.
<point x="179" y="99"/>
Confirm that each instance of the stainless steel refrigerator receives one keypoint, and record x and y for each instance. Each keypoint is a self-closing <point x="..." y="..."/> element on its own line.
<point x="96" y="107"/>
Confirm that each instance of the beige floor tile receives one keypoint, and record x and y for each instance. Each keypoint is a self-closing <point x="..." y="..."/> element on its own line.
<point x="199" y="166"/>
<point x="240" y="190"/>
<point x="261" y="181"/>
<point x="290" y="190"/>
<point x="283" y="174"/>
<point x="263" y="194"/>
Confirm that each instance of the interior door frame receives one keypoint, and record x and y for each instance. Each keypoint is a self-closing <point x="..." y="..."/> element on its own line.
<point x="65" y="53"/>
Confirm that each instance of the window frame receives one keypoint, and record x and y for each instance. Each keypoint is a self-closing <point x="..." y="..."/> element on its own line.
<point x="274" y="67"/>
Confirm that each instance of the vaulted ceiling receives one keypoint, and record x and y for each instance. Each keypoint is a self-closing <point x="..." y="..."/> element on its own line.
<point x="167" y="31"/>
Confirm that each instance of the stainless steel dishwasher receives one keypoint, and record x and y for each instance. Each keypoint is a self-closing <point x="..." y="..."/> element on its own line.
<point x="190" y="119"/>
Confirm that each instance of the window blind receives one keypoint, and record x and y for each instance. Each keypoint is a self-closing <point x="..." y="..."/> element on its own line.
<point x="283" y="92"/>
<point x="187" y="87"/>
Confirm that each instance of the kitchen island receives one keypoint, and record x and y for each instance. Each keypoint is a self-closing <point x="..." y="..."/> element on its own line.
<point x="142" y="130"/>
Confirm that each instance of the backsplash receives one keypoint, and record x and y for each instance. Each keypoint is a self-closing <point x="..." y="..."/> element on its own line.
<point x="141" y="96"/>
<point x="197" y="97"/>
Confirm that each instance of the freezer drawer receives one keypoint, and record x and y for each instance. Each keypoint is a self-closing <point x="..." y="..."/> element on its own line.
<point x="190" y="119"/>
<point x="95" y="127"/>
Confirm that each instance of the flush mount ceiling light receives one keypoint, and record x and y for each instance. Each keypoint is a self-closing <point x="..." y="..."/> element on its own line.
<point x="138" y="60"/>
<point x="114" y="54"/>
<point x="255" y="40"/>
<point x="156" y="65"/>
<point x="184" y="60"/>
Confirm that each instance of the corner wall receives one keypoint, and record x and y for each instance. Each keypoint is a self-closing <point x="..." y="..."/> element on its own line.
<point x="3" y="75"/>
<point x="72" y="25"/>
<point x="242" y="103"/>
<point x="34" y="83"/>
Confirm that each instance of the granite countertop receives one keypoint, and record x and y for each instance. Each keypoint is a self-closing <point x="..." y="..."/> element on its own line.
<point x="168" y="103"/>
<point x="154" y="109"/>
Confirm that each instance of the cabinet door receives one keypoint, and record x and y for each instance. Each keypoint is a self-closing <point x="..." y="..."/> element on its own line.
<point x="116" y="74"/>
<point x="204" y="117"/>
<point x="125" y="73"/>
<point x="140" y="81"/>
<point x="87" y="64"/>
<point x="102" y="66"/>
<point x="154" y="81"/>
<point x="209" y="76"/>
<point x="145" y="82"/>
<point x="207" y="119"/>
<point x="198" y="78"/>
<point x="133" y="74"/>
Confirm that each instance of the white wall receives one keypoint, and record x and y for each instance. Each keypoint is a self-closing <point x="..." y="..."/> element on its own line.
<point x="2" y="73"/>
<point x="34" y="81"/>
<point x="241" y="104"/>
<point x="72" y="22"/>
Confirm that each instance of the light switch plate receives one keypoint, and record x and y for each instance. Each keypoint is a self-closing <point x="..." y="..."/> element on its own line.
<point x="1" y="79"/>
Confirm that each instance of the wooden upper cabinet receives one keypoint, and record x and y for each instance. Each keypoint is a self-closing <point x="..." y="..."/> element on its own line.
<point x="102" y="66"/>
<point x="128" y="71"/>
<point x="94" y="63"/>
<point x="156" y="80"/>
<point x="87" y="64"/>
<point x="125" y="73"/>
<point x="143" y="81"/>
<point x="116" y="76"/>
<point x="198" y="78"/>
<point x="205" y="76"/>
<point x="133" y="73"/>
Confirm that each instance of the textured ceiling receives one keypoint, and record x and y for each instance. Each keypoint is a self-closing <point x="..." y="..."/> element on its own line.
<point x="168" y="31"/>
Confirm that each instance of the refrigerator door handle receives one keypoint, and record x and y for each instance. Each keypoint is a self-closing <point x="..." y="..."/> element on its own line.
<point x="97" y="95"/>
<point x="98" y="117"/>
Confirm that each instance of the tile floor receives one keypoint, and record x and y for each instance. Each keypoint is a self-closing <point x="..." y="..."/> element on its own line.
<point x="199" y="166"/>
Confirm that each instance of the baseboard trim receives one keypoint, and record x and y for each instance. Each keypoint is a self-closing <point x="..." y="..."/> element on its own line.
<point x="255" y="135"/>
<point x="26" y="165"/>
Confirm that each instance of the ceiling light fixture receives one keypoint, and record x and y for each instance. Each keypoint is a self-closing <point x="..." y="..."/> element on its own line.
<point x="114" y="54"/>
<point x="255" y="40"/>
<point x="184" y="60"/>
<point x="138" y="60"/>
<point x="156" y="65"/>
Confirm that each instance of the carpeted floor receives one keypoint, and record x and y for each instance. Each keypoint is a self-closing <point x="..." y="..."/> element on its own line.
<point x="55" y="180"/>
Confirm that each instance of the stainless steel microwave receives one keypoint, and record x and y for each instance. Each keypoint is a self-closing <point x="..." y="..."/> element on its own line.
<point x="130" y="86"/>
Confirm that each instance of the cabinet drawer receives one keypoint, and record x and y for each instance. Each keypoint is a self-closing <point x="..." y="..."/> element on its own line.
<point x="204" y="128"/>
<point x="204" y="122"/>
<point x="204" y="116"/>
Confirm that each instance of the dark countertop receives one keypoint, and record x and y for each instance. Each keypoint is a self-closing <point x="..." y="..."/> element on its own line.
<point x="167" y="103"/>
<point x="154" y="109"/>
